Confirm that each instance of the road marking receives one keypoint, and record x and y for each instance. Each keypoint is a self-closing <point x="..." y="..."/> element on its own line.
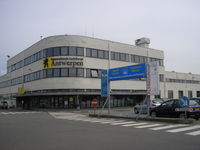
<point x="168" y="127"/>
<point x="104" y="122"/>
<point x="147" y="126"/>
<point x="194" y="133"/>
<point x="184" y="129"/>
<point x="123" y="123"/>
<point x="134" y="124"/>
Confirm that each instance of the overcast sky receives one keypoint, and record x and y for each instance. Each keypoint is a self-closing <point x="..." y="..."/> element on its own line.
<point x="172" y="25"/>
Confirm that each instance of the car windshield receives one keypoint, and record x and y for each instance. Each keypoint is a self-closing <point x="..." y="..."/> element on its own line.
<point x="192" y="103"/>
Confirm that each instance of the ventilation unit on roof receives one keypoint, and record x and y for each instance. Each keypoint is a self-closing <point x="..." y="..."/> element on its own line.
<point x="143" y="42"/>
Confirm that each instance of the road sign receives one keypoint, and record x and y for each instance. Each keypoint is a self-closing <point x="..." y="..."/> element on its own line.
<point x="104" y="83"/>
<point x="94" y="102"/>
<point x="128" y="72"/>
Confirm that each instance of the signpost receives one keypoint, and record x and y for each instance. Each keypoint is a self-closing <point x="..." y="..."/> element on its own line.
<point x="94" y="103"/>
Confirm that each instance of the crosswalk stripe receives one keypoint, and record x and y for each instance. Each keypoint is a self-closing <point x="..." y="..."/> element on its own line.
<point x="134" y="124"/>
<point x="168" y="127"/>
<point x="104" y="122"/>
<point x="194" y="133"/>
<point x="147" y="126"/>
<point x="123" y="123"/>
<point x="184" y="129"/>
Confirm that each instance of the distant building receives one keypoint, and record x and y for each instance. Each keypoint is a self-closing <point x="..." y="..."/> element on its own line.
<point x="64" y="72"/>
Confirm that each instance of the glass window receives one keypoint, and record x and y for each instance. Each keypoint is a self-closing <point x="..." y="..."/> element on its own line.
<point x="72" y="51"/>
<point x="49" y="52"/>
<point x="161" y="77"/>
<point x="106" y="54"/>
<point x="64" y="51"/>
<point x="88" y="75"/>
<point x="168" y="104"/>
<point x="100" y="54"/>
<point x="94" y="53"/>
<point x="94" y="73"/>
<point x="80" y="72"/>
<point x="170" y="94"/>
<point x="56" y="51"/>
<point x="88" y="52"/>
<point x="122" y="57"/>
<point x="64" y="72"/>
<point x="80" y="51"/>
<point x="136" y="59"/>
<point x="56" y="72"/>
<point x="72" y="72"/>
<point x="117" y="56"/>
<point x="127" y="57"/>
<point x="49" y="73"/>
<point x="112" y="55"/>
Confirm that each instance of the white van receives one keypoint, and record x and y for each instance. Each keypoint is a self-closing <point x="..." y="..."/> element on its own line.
<point x="5" y="104"/>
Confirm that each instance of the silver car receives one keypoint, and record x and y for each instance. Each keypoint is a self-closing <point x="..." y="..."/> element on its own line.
<point x="142" y="107"/>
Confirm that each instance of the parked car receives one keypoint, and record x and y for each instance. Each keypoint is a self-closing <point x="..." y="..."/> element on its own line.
<point x="172" y="108"/>
<point x="142" y="107"/>
<point x="197" y="99"/>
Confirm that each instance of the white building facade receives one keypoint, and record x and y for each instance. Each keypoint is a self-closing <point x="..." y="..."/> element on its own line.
<point x="64" y="72"/>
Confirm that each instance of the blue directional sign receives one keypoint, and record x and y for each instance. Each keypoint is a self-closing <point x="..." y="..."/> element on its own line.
<point x="104" y="83"/>
<point x="128" y="72"/>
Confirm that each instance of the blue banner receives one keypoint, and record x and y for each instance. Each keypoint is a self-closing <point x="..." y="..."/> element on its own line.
<point x="104" y="83"/>
<point x="128" y="72"/>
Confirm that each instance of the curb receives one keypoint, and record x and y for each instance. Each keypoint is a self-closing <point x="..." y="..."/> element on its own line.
<point x="171" y="120"/>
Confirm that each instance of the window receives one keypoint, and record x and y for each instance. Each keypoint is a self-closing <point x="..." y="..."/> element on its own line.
<point x="122" y="57"/>
<point x="170" y="94"/>
<point x="94" y="53"/>
<point x="64" y="72"/>
<point x="94" y="73"/>
<point x="112" y="55"/>
<point x="189" y="94"/>
<point x="80" y="51"/>
<point x="56" y="72"/>
<point x="168" y="104"/>
<point x="88" y="52"/>
<point x="198" y="93"/>
<point x="106" y="54"/>
<point x="161" y="76"/>
<point x="180" y="94"/>
<point x="88" y="75"/>
<point x="72" y="51"/>
<point x="49" y="52"/>
<point x="49" y="73"/>
<point x="100" y="54"/>
<point x="72" y="72"/>
<point x="80" y="72"/>
<point x="64" y="51"/>
<point x="127" y="57"/>
<point x="56" y="51"/>
<point x="117" y="56"/>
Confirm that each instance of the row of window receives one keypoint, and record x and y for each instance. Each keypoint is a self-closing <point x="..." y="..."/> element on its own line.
<point x="180" y="94"/>
<point x="55" y="72"/>
<point x="182" y="81"/>
<point x="95" y="53"/>
<point x="79" y="51"/>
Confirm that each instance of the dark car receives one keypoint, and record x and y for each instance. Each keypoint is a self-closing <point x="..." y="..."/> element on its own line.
<point x="172" y="108"/>
<point x="197" y="99"/>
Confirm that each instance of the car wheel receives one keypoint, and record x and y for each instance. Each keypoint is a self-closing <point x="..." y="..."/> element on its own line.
<point x="153" y="114"/>
<point x="182" y="115"/>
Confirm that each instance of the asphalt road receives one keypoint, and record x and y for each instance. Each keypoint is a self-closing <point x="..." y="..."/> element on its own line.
<point x="42" y="131"/>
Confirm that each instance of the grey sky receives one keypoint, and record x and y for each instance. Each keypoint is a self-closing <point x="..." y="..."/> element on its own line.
<point x="172" y="25"/>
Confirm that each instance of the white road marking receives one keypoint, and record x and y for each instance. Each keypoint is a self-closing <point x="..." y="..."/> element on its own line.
<point x="184" y="129"/>
<point x="147" y="126"/>
<point x="134" y="124"/>
<point x="123" y="123"/>
<point x="194" y="133"/>
<point x="168" y="127"/>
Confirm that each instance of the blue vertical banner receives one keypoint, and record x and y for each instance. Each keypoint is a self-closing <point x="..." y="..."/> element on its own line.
<point x="104" y="83"/>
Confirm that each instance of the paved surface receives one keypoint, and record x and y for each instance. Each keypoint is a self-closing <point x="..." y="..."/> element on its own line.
<point x="31" y="130"/>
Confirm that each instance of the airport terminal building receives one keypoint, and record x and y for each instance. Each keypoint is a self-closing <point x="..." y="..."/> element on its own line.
<point x="65" y="72"/>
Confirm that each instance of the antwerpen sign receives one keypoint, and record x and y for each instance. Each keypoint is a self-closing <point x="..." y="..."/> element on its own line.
<point x="51" y="62"/>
